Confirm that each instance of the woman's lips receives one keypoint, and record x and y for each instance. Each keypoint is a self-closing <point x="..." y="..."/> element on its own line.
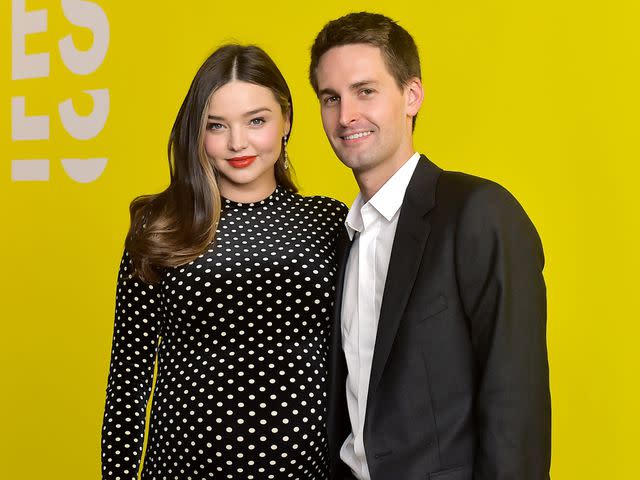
<point x="241" y="162"/>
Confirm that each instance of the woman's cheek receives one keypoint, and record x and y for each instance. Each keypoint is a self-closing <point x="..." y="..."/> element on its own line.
<point x="270" y="138"/>
<point x="212" y="145"/>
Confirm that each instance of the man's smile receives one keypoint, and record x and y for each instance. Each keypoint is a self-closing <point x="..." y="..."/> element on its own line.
<point x="355" y="136"/>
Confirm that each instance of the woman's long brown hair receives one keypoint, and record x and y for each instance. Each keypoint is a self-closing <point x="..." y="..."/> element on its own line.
<point x="175" y="226"/>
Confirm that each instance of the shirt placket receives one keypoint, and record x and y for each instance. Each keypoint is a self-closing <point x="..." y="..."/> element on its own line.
<point x="367" y="318"/>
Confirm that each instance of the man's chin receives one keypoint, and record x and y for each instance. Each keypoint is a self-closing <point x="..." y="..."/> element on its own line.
<point x="349" y="163"/>
<point x="349" y="159"/>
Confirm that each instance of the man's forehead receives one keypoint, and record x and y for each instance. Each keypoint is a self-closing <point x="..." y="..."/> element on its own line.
<point x="350" y="52"/>
<point x="351" y="64"/>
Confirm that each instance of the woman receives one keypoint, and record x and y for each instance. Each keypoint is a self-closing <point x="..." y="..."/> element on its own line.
<point x="228" y="276"/>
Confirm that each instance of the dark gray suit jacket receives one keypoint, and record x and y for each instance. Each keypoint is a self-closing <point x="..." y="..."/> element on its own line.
<point x="459" y="386"/>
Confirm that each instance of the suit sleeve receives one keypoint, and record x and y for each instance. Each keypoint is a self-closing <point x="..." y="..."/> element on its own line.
<point x="499" y="262"/>
<point x="134" y="346"/>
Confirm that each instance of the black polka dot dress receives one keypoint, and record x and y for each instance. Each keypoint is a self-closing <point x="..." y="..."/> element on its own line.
<point x="241" y="336"/>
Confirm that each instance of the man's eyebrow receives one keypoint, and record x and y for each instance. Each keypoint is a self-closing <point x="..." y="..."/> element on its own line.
<point x="353" y="86"/>
<point x="327" y="91"/>
<point x="247" y="114"/>
<point x="362" y="83"/>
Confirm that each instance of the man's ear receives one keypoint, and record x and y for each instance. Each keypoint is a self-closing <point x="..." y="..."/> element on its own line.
<point x="415" y="96"/>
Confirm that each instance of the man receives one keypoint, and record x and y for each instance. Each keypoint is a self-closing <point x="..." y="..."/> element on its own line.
<point x="439" y="364"/>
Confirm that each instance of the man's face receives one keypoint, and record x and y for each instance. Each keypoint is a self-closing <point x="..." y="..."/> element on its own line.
<point x="366" y="115"/>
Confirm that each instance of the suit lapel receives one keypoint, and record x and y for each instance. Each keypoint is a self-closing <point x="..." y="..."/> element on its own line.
<point x="410" y="239"/>
<point x="336" y="401"/>
<point x="342" y="253"/>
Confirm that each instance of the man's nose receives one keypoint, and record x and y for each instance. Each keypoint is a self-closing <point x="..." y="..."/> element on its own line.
<point x="348" y="112"/>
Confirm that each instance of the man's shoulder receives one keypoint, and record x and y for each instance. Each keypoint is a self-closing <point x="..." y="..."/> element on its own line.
<point x="459" y="188"/>
<point x="458" y="193"/>
<point x="480" y="204"/>
<point x="452" y="183"/>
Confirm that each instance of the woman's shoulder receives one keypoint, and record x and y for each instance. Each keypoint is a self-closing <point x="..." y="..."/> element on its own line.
<point x="324" y="206"/>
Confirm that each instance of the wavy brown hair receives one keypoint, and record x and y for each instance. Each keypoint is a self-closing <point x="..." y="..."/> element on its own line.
<point x="175" y="226"/>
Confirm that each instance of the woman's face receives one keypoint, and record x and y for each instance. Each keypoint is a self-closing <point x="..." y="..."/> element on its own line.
<point x="243" y="139"/>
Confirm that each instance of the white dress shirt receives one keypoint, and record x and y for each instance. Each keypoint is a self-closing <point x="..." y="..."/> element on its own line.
<point x="372" y="227"/>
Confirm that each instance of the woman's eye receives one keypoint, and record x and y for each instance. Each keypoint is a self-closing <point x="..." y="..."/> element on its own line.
<point x="214" y="126"/>
<point x="257" y="121"/>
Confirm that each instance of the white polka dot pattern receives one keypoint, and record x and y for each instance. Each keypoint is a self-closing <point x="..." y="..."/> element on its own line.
<point x="242" y="360"/>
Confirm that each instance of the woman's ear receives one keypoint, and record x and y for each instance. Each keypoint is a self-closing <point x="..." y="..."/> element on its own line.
<point x="287" y="123"/>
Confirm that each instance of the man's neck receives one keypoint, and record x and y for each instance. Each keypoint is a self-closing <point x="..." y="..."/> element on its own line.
<point x="371" y="181"/>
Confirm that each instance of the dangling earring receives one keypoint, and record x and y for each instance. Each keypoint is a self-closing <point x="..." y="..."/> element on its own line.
<point x="284" y="149"/>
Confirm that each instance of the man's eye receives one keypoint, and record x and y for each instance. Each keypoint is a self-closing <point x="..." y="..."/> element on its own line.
<point x="331" y="100"/>
<point x="366" y="91"/>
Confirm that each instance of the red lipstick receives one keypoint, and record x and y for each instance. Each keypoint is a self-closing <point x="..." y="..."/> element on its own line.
<point x="241" y="162"/>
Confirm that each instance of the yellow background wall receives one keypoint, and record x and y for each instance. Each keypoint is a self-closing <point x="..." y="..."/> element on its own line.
<point x="540" y="96"/>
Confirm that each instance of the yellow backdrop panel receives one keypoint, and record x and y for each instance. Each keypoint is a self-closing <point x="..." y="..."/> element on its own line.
<point x="539" y="96"/>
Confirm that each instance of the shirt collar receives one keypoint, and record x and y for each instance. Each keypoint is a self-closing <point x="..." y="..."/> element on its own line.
<point x="387" y="201"/>
<point x="354" y="222"/>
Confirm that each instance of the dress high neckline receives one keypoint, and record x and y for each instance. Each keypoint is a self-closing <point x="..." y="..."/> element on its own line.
<point x="273" y="198"/>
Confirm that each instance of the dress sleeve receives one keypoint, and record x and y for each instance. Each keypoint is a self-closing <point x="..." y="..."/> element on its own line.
<point x="137" y="328"/>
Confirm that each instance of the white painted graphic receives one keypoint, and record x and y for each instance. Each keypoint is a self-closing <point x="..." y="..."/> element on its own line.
<point x="30" y="170"/>
<point x="35" y="65"/>
<point x="25" y="127"/>
<point x="81" y="127"/>
<point x="84" y="170"/>
<point x="36" y="126"/>
<point x="91" y="16"/>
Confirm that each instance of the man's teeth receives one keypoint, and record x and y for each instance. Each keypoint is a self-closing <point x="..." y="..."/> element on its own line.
<point x="357" y="135"/>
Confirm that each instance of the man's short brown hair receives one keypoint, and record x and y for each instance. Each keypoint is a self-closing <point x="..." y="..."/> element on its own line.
<point x="396" y="44"/>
